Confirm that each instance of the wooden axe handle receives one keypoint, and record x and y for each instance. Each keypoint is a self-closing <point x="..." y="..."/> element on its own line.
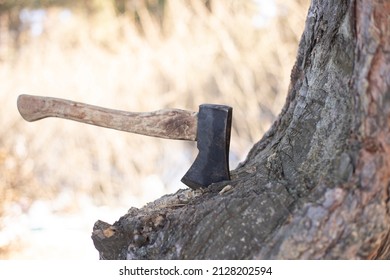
<point x="169" y="123"/>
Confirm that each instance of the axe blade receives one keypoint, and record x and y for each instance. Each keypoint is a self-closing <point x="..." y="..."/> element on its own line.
<point x="213" y="140"/>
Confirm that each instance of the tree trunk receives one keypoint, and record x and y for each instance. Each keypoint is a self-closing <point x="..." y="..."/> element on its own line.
<point x="317" y="185"/>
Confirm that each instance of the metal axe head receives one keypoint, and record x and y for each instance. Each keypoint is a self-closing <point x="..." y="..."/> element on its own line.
<point x="210" y="127"/>
<point x="213" y="140"/>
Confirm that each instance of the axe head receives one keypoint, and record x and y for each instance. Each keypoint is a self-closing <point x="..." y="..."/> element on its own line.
<point x="213" y="140"/>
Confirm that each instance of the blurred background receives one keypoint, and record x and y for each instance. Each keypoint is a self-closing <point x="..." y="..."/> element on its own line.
<point x="57" y="177"/>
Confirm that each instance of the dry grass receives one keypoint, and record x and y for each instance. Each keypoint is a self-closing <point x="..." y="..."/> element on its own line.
<point x="195" y="57"/>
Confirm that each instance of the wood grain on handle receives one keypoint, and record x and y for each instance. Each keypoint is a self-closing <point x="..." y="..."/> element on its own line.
<point x="169" y="123"/>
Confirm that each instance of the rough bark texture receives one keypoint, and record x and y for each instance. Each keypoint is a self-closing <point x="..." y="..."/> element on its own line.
<point x="317" y="185"/>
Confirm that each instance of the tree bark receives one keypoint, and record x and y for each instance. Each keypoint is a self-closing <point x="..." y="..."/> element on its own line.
<point x="317" y="185"/>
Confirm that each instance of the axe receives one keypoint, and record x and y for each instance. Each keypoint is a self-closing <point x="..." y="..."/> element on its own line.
<point x="210" y="127"/>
